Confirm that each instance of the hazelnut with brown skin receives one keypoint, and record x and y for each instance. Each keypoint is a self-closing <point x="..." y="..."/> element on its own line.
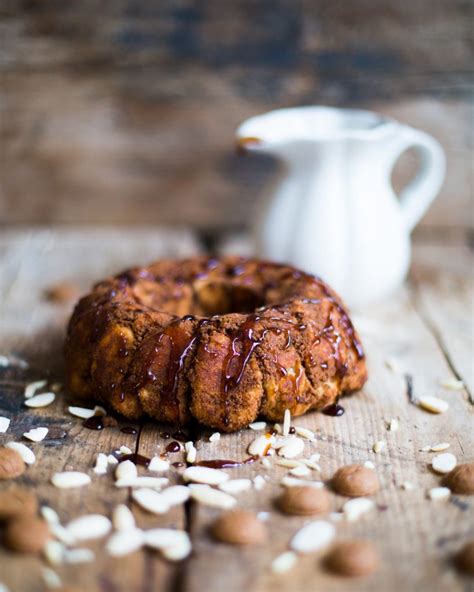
<point x="355" y="481"/>
<point x="461" y="479"/>
<point x="16" y="502"/>
<point x="239" y="527"/>
<point x="27" y="534"/>
<point x="465" y="558"/>
<point x="304" y="501"/>
<point x="11" y="464"/>
<point x="354" y="558"/>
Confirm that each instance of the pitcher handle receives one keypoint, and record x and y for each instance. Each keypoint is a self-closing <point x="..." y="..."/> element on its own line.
<point x="416" y="197"/>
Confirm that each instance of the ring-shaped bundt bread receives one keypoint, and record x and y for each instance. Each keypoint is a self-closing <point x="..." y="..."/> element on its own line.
<point x="219" y="340"/>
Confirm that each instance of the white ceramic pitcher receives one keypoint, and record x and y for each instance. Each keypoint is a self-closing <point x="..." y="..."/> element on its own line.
<point x="334" y="211"/>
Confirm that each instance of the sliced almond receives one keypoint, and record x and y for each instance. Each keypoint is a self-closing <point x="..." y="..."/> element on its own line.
<point x="452" y="384"/>
<point x="236" y="485"/>
<point x="261" y="445"/>
<point x="70" y="479"/>
<point x="440" y="447"/>
<point x="191" y="452"/>
<point x="313" y="537"/>
<point x="158" y="465"/>
<point x="215" y="437"/>
<point x="301" y="471"/>
<point x="357" y="507"/>
<point x="379" y="446"/>
<point x="444" y="463"/>
<point x="151" y="501"/>
<point x="393" y="425"/>
<point x="36" y="434"/>
<point x="89" y="527"/>
<point x="4" y="424"/>
<point x="123" y="519"/>
<point x="290" y="463"/>
<point x="439" y="494"/>
<point x="42" y="400"/>
<point x="175" y="545"/>
<point x="101" y="464"/>
<point x="140" y="482"/>
<point x="212" y="497"/>
<point x="258" y="425"/>
<point x="294" y="482"/>
<point x="125" y="542"/>
<point x="433" y="404"/>
<point x="284" y="562"/>
<point x="126" y="470"/>
<point x="292" y="448"/>
<point x="26" y="453"/>
<point x="53" y="552"/>
<point x="305" y="433"/>
<point x="259" y="482"/>
<point x="79" y="555"/>
<point x="86" y="413"/>
<point x="176" y="495"/>
<point x="32" y="387"/>
<point x="205" y="475"/>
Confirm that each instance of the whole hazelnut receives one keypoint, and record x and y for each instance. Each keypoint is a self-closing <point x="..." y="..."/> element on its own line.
<point x="304" y="501"/>
<point x="26" y="534"/>
<point x="461" y="479"/>
<point x="465" y="558"/>
<point x="353" y="558"/>
<point x="11" y="464"/>
<point x="239" y="527"/>
<point x="17" y="502"/>
<point x="355" y="481"/>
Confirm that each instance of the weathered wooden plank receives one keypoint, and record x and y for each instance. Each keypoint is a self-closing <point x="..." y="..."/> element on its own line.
<point x="409" y="530"/>
<point x="443" y="285"/>
<point x="30" y="262"/>
<point x="114" y="131"/>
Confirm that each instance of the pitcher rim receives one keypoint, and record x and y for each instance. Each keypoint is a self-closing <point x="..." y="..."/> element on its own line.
<point x="381" y="124"/>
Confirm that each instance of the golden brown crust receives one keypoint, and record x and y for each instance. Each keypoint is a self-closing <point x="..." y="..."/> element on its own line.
<point x="221" y="340"/>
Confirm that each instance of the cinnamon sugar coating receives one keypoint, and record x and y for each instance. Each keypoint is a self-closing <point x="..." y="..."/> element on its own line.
<point x="219" y="340"/>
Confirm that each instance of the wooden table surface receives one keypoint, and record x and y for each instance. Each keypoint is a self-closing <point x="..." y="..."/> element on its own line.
<point x="426" y="328"/>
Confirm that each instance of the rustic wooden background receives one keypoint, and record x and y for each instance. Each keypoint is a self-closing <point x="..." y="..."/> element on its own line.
<point x="123" y="111"/>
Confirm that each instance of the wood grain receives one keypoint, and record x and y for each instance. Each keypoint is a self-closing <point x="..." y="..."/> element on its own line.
<point x="110" y="108"/>
<point x="418" y="328"/>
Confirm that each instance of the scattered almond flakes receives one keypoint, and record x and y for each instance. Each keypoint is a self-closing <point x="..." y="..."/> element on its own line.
<point x="258" y="425"/>
<point x="150" y="500"/>
<point x="301" y="471"/>
<point x="123" y="543"/>
<point x="4" y="424"/>
<point x="444" y="463"/>
<point x="36" y="434"/>
<point x="261" y="445"/>
<point x="393" y="425"/>
<point x="439" y="447"/>
<point x="379" y="446"/>
<point x="212" y="497"/>
<point x="31" y="388"/>
<point x="89" y="527"/>
<point x="69" y="479"/>
<point x="284" y="562"/>
<point x="439" y="494"/>
<point x="205" y="475"/>
<point x="292" y="448"/>
<point x="26" y="453"/>
<point x="313" y="537"/>
<point x="215" y="437"/>
<point x="236" y="485"/>
<point x="101" y="464"/>
<point x="158" y="464"/>
<point x="452" y="384"/>
<point x="191" y="452"/>
<point x="433" y="404"/>
<point x="356" y="507"/>
<point x="407" y="486"/>
<point x="122" y="518"/>
<point x="42" y="400"/>
<point x="305" y="433"/>
<point x="259" y="482"/>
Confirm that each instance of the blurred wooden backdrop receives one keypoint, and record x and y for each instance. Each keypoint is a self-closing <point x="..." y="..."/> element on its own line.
<point x="123" y="111"/>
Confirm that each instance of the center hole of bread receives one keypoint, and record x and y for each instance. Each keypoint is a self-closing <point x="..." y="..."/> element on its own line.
<point x="217" y="298"/>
